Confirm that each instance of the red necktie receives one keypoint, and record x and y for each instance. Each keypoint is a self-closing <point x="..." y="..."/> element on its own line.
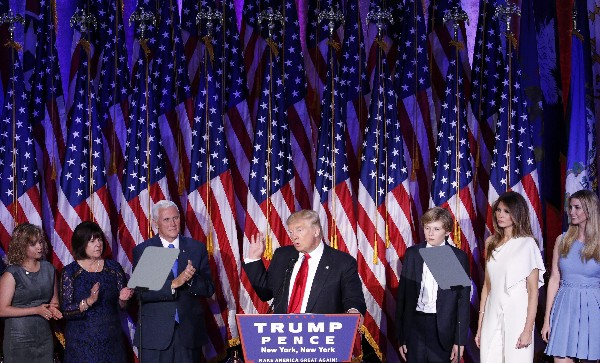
<point x="299" y="286"/>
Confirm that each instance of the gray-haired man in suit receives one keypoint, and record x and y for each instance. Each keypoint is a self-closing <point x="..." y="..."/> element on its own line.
<point x="173" y="318"/>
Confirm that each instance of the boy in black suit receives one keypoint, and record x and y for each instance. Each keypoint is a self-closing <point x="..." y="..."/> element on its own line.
<point x="427" y="317"/>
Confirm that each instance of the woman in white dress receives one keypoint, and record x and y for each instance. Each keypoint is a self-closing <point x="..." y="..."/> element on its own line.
<point x="513" y="275"/>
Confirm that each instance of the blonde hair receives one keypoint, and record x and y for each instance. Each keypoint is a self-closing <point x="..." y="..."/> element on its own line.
<point x="436" y="214"/>
<point x="308" y="215"/>
<point x="23" y="236"/>
<point x="591" y="208"/>
<point x="519" y="213"/>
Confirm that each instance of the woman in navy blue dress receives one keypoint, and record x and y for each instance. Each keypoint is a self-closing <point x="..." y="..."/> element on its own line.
<point x="572" y="320"/>
<point x="92" y="291"/>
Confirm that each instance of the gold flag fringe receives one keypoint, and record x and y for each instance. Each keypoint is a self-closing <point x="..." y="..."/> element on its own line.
<point x="363" y="330"/>
<point x="209" y="47"/>
<point x="335" y="45"/>
<point x="273" y="47"/>
<point x="13" y="44"/>
<point x="457" y="44"/>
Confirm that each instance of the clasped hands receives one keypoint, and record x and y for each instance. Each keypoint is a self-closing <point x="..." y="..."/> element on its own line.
<point x="185" y="276"/>
<point x="49" y="311"/>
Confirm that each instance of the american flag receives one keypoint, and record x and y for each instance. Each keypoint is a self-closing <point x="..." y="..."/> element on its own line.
<point x="582" y="149"/>
<point x="415" y="109"/>
<point x="317" y="52"/>
<point x="297" y="116"/>
<point x="440" y="36"/>
<point x="191" y="41"/>
<point x="452" y="186"/>
<point x="385" y="224"/>
<point x="353" y="87"/>
<point x="90" y="37"/>
<point x="83" y="193"/>
<point x="48" y="120"/>
<point x="271" y="197"/>
<point x="19" y="178"/>
<point x="113" y="98"/>
<point x="373" y="45"/>
<point x="594" y="30"/>
<point x="150" y="34"/>
<point x="254" y="46"/>
<point x="237" y="123"/>
<point x="488" y="65"/>
<point x="4" y="51"/>
<point x="211" y="208"/>
<point x="513" y="164"/>
<point x="144" y="180"/>
<point x="35" y="17"/>
<point x="174" y="101"/>
<point x="333" y="196"/>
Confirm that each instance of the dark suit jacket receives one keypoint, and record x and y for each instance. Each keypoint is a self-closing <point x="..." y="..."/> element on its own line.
<point x="158" y="308"/>
<point x="448" y="309"/>
<point x="336" y="287"/>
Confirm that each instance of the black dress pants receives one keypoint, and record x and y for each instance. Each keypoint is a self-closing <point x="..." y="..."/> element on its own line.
<point x="423" y="344"/>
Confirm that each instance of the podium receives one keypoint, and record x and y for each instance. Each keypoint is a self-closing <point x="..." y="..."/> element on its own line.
<point x="297" y="337"/>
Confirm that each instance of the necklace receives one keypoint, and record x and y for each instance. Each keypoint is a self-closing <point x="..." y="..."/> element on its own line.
<point x="97" y="266"/>
<point x="30" y="270"/>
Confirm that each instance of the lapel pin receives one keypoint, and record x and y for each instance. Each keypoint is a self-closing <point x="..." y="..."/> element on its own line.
<point x="326" y="267"/>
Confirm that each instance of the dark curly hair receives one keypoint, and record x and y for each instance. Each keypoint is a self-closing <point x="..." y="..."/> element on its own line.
<point x="23" y="236"/>
<point x="84" y="233"/>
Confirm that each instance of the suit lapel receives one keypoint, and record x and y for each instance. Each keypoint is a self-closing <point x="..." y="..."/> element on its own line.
<point x="419" y="267"/>
<point x="321" y="276"/>
<point x="184" y="253"/>
<point x="285" y="294"/>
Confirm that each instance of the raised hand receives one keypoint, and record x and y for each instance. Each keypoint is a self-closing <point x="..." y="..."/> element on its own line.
<point x="185" y="275"/>
<point x="257" y="246"/>
<point x="93" y="294"/>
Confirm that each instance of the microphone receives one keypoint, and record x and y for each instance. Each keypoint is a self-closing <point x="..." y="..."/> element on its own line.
<point x="286" y="277"/>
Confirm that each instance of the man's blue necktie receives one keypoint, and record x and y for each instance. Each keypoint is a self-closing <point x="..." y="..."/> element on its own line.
<point x="174" y="269"/>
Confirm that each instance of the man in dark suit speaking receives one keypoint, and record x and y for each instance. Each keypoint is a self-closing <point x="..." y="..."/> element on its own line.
<point x="307" y="276"/>
<point x="173" y="318"/>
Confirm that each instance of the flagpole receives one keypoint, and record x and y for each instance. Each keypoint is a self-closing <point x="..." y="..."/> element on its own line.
<point x="271" y="17"/>
<point x="479" y="107"/>
<point x="210" y="16"/>
<point x="506" y="12"/>
<point x="85" y="21"/>
<point x="11" y="20"/>
<point x="415" y="161"/>
<point x="333" y="16"/>
<point x="52" y="56"/>
<point x="457" y="16"/>
<point x="112" y="169"/>
<point x="14" y="145"/>
<point x="145" y="18"/>
<point x="379" y="16"/>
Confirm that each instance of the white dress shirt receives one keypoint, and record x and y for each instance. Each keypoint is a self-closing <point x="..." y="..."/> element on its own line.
<point x="429" y="288"/>
<point x="313" y="263"/>
<point x="166" y="244"/>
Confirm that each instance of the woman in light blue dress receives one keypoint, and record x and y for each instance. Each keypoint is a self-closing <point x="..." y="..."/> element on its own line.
<point x="572" y="321"/>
